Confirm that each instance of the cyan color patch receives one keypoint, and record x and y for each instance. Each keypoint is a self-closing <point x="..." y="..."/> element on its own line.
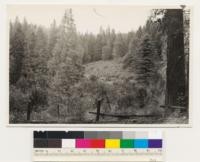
<point x="140" y="143"/>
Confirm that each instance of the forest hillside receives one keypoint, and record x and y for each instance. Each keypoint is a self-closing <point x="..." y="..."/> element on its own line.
<point x="58" y="75"/>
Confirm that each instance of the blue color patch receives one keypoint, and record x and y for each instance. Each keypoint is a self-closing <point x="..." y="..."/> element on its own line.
<point x="140" y="143"/>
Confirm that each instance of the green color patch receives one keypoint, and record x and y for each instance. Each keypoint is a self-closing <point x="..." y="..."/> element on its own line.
<point x="126" y="143"/>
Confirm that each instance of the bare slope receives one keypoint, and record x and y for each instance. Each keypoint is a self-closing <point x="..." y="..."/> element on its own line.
<point x="111" y="70"/>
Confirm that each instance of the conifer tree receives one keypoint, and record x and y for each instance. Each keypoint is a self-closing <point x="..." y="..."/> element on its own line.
<point x="144" y="69"/>
<point x="144" y="64"/>
<point x="119" y="48"/>
<point x="107" y="52"/>
<point x="65" y="65"/>
<point x="52" y="38"/>
<point x="17" y="41"/>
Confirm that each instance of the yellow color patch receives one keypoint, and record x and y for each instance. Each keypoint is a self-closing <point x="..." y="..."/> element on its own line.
<point x="112" y="143"/>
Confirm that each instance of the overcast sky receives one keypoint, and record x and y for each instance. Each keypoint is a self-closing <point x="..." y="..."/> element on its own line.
<point x="87" y="18"/>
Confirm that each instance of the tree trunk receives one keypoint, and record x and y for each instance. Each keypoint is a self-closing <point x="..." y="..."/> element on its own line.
<point x="108" y="101"/>
<point x="98" y="104"/>
<point x="58" y="111"/>
<point x="175" y="57"/>
<point x="29" y="111"/>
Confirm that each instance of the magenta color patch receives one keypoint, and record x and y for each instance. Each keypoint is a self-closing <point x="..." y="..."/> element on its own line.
<point x="83" y="143"/>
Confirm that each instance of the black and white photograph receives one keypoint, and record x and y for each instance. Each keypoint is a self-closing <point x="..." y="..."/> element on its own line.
<point x="98" y="64"/>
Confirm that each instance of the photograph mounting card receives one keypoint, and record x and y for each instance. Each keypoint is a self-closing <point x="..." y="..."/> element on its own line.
<point x="98" y="65"/>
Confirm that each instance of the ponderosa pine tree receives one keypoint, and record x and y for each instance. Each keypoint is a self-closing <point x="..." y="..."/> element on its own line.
<point x="133" y="46"/>
<point x="65" y="65"/>
<point x="107" y="52"/>
<point x="28" y="64"/>
<point x="89" y="52"/>
<point x="98" y="47"/>
<point x="52" y="37"/>
<point x="119" y="47"/>
<point x="17" y="100"/>
<point x="40" y="59"/>
<point x="35" y="70"/>
<point x="28" y="46"/>
<point x="144" y="68"/>
<point x="17" y="41"/>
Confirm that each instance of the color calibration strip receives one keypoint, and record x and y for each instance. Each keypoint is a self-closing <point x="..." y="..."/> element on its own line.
<point x="98" y="143"/>
<point x="56" y="139"/>
<point x="94" y="146"/>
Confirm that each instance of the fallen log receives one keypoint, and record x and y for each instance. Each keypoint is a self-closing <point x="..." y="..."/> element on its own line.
<point x="123" y="115"/>
<point x="173" y="107"/>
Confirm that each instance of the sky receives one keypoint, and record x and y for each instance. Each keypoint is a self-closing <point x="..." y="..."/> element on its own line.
<point x="87" y="18"/>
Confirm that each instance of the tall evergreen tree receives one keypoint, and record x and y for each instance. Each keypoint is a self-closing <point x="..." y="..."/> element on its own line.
<point x="41" y="58"/>
<point x="28" y="62"/>
<point x="98" y="47"/>
<point x="144" y="69"/>
<point x="144" y="64"/>
<point x="107" y="52"/>
<point x="34" y="80"/>
<point x="17" y="41"/>
<point x="52" y="38"/>
<point x="119" y="48"/>
<point x="65" y="65"/>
